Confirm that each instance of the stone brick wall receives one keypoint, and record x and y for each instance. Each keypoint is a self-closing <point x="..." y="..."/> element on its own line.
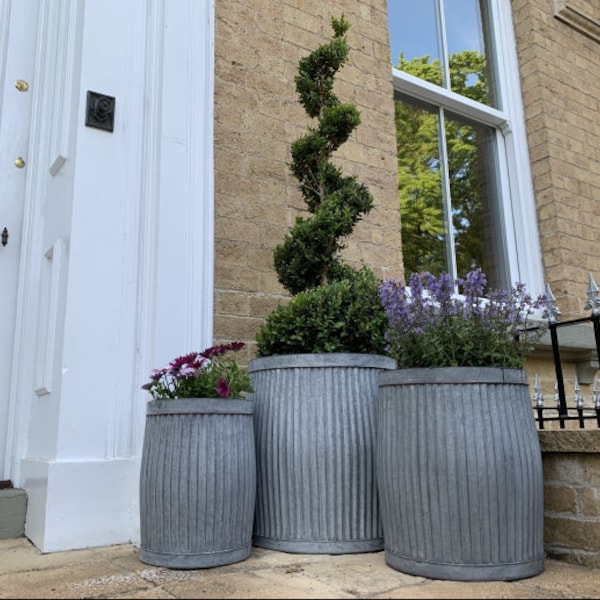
<point x="558" y="45"/>
<point x="257" y="116"/>
<point x="571" y="461"/>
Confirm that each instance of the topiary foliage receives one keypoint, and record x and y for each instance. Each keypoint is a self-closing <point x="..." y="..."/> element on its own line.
<point x="309" y="255"/>
<point x="335" y="308"/>
<point x="344" y="316"/>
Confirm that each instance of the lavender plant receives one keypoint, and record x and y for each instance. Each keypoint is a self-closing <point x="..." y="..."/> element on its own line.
<point x="212" y="373"/>
<point x="431" y="326"/>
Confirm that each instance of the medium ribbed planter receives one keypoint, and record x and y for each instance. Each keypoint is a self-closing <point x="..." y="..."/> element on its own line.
<point x="460" y="474"/>
<point x="315" y="419"/>
<point x="197" y="483"/>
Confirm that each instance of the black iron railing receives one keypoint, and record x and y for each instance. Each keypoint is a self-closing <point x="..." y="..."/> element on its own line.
<point x="561" y="412"/>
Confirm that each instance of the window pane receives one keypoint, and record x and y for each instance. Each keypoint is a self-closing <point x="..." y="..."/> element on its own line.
<point x="414" y="38"/>
<point x="473" y="193"/>
<point x="470" y="73"/>
<point x="420" y="188"/>
<point x="472" y="220"/>
<point x="417" y="44"/>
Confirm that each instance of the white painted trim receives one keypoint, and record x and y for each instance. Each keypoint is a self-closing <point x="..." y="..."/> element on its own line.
<point x="81" y="503"/>
<point x="149" y="195"/>
<point x="528" y="268"/>
<point x="61" y="50"/>
<point x="199" y="207"/>
<point x="202" y="167"/>
<point x="429" y="92"/>
<point x="53" y="284"/>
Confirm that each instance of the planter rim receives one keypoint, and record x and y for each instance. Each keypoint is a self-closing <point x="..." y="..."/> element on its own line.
<point x="173" y="406"/>
<point x="321" y="359"/>
<point x="441" y="375"/>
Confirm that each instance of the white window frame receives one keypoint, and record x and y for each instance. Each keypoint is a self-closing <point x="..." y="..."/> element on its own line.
<point x="519" y="218"/>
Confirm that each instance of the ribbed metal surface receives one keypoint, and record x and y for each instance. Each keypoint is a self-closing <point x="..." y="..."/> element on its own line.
<point x="460" y="476"/>
<point x="315" y="433"/>
<point x="197" y="483"/>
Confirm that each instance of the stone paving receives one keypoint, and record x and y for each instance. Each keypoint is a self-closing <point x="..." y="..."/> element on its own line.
<point x="116" y="572"/>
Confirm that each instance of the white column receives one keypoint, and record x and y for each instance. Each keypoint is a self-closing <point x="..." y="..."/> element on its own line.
<point x="137" y="265"/>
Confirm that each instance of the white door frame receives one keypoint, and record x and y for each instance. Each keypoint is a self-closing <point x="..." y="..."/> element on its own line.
<point x="118" y="262"/>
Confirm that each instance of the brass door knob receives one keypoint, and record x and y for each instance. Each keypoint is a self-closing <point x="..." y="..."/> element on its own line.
<point x="21" y="85"/>
<point x="19" y="162"/>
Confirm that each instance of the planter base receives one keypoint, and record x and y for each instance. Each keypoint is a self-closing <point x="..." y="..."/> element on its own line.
<point x="465" y="572"/>
<point x="195" y="561"/>
<point x="304" y="547"/>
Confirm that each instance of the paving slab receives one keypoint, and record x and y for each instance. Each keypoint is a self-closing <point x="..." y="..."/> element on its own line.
<point x="117" y="572"/>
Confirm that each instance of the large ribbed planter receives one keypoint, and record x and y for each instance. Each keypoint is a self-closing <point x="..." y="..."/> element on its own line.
<point x="460" y="474"/>
<point x="315" y="419"/>
<point x="197" y="483"/>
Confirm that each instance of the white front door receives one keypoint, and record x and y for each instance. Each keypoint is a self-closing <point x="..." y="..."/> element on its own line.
<point x="18" y="33"/>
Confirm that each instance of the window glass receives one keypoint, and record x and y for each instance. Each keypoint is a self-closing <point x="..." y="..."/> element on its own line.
<point x="464" y="180"/>
<point x="446" y="42"/>
<point x="420" y="187"/>
<point x="414" y="37"/>
<point x="447" y="189"/>
<point x="470" y="64"/>
<point x="474" y="210"/>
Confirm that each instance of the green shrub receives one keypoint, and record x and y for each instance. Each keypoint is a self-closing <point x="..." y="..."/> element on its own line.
<point x="344" y="316"/>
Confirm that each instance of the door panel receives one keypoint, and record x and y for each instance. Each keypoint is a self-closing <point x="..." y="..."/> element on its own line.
<point x="18" y="22"/>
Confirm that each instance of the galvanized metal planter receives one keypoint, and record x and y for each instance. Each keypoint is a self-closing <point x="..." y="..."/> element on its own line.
<point x="197" y="483"/>
<point x="460" y="474"/>
<point x="315" y="419"/>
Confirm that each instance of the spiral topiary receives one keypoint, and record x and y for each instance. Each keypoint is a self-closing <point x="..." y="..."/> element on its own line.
<point x="335" y="307"/>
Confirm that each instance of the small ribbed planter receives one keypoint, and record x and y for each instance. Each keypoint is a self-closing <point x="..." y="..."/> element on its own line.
<point x="315" y="419"/>
<point x="197" y="483"/>
<point x="460" y="474"/>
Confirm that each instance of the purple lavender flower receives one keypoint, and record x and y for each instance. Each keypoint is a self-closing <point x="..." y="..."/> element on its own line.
<point x="431" y="325"/>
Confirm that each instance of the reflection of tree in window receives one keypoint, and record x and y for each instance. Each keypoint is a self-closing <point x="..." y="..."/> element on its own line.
<point x="421" y="174"/>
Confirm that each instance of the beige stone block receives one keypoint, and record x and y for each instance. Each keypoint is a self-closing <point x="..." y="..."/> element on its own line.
<point x="233" y="303"/>
<point x="263" y="305"/>
<point x="560" y="499"/>
<point x="572" y="533"/>
<point x="236" y="328"/>
<point x="232" y="252"/>
<point x="590" y="501"/>
<point x="237" y="278"/>
<point x="234" y="230"/>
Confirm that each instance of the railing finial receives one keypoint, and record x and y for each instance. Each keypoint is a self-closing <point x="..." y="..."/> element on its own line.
<point x="551" y="311"/>
<point x="593" y="302"/>
<point x="538" y="396"/>
<point x="578" y="394"/>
